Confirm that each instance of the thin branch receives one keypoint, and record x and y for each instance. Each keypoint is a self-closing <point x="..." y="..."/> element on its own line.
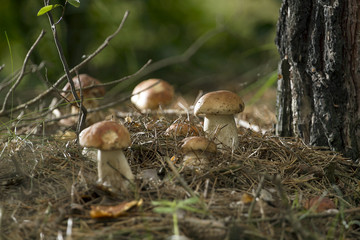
<point x="30" y="68"/>
<point x="8" y="80"/>
<point x="115" y="81"/>
<point x="88" y="110"/>
<point x="184" y="56"/>
<point x="18" y="80"/>
<point x="123" y="99"/>
<point x="83" y="111"/>
<point x="170" y="60"/>
<point x="77" y="67"/>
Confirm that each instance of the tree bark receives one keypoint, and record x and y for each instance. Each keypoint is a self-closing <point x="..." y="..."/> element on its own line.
<point x="319" y="75"/>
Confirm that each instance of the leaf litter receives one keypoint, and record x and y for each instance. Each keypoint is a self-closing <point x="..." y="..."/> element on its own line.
<point x="260" y="190"/>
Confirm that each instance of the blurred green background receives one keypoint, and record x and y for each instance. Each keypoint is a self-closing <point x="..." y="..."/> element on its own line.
<point x="242" y="54"/>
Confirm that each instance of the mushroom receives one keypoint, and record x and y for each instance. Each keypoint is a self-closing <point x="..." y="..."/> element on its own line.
<point x="158" y="93"/>
<point x="181" y="130"/>
<point x="90" y="96"/>
<point x="195" y="149"/>
<point x="218" y="109"/>
<point x="110" y="138"/>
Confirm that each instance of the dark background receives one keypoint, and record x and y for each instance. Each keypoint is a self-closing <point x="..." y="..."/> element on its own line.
<point x="242" y="57"/>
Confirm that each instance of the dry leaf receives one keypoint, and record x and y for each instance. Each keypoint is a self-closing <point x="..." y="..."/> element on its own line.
<point x="173" y="159"/>
<point x="66" y="136"/>
<point x="114" y="211"/>
<point x="246" y="198"/>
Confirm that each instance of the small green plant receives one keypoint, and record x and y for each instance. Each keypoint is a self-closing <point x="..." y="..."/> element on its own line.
<point x="172" y="207"/>
<point x="48" y="8"/>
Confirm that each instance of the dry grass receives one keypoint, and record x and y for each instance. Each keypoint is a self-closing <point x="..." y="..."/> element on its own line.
<point x="47" y="188"/>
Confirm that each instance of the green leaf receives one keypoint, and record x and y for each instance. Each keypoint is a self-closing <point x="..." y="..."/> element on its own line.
<point x="192" y="209"/>
<point x="75" y="3"/>
<point x="164" y="210"/>
<point x="164" y="203"/>
<point x="47" y="8"/>
<point x="192" y="200"/>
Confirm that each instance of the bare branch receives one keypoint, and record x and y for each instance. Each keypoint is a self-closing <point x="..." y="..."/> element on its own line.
<point x="57" y="105"/>
<point x="77" y="67"/>
<point x="116" y="81"/>
<point x="30" y="68"/>
<point x="83" y="111"/>
<point x="186" y="55"/>
<point x="18" y="80"/>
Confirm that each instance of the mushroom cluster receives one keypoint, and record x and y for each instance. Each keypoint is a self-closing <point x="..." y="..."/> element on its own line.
<point x="110" y="138"/>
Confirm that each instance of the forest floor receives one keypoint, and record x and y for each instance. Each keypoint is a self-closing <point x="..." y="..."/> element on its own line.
<point x="267" y="188"/>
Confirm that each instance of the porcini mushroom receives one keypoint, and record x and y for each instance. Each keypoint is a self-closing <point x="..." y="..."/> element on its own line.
<point x="181" y="130"/>
<point x="195" y="149"/>
<point x="110" y="138"/>
<point x="152" y="93"/>
<point x="218" y="109"/>
<point x="90" y="97"/>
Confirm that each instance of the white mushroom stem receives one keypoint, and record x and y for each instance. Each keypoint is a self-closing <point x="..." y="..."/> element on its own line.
<point x="223" y="127"/>
<point x="196" y="159"/>
<point x="113" y="169"/>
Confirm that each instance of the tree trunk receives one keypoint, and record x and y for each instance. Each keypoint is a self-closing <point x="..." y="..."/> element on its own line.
<point x="319" y="74"/>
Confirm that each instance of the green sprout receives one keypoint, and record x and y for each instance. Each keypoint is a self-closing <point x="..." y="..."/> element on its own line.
<point x="172" y="207"/>
<point x="48" y="8"/>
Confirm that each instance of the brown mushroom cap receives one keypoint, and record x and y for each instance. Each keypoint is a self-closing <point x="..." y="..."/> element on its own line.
<point x="198" y="144"/>
<point x="219" y="103"/>
<point x="181" y="129"/>
<point x="86" y="81"/>
<point x="105" y="135"/>
<point x="160" y="94"/>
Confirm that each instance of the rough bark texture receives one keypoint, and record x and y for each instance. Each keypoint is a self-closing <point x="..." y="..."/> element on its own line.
<point x="319" y="74"/>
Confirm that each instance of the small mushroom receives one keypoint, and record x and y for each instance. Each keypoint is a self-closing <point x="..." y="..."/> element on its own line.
<point x="218" y="109"/>
<point x="158" y="93"/>
<point x="181" y="130"/>
<point x="90" y="98"/>
<point x="195" y="149"/>
<point x="110" y="138"/>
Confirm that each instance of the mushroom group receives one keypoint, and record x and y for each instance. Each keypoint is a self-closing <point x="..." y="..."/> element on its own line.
<point x="110" y="138"/>
<point x="218" y="109"/>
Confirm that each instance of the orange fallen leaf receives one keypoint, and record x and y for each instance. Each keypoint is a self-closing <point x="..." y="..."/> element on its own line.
<point x="114" y="211"/>
<point x="173" y="159"/>
<point x="246" y="198"/>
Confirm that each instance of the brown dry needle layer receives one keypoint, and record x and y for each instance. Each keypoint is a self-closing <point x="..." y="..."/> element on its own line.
<point x="257" y="191"/>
